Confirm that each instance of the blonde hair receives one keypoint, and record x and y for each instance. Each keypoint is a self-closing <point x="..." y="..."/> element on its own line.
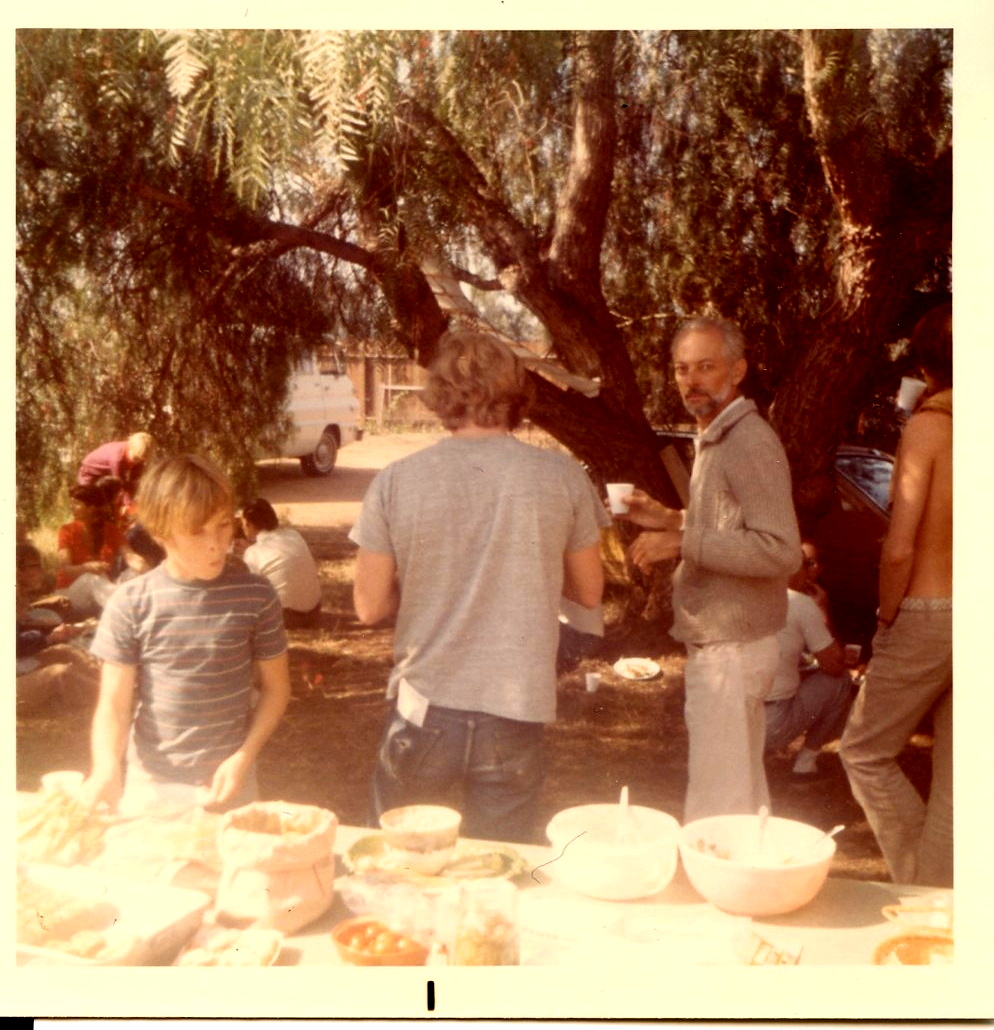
<point x="476" y="379"/>
<point x="140" y="446"/>
<point x="181" y="494"/>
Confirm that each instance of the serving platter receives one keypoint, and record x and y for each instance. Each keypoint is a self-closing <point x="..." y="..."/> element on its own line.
<point x="149" y="922"/>
<point x="471" y="860"/>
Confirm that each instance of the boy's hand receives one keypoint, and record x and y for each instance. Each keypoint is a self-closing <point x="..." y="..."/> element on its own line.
<point x="228" y="778"/>
<point x="96" y="789"/>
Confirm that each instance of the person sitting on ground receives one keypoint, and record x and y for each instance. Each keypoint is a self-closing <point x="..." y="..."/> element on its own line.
<point x="814" y="703"/>
<point x="195" y="674"/>
<point x="139" y="552"/>
<point x="124" y="459"/>
<point x="88" y="549"/>
<point x="281" y="554"/>
<point x="115" y="513"/>
<point x="49" y="667"/>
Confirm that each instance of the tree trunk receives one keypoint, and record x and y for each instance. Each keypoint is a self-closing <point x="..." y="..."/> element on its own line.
<point x="881" y="261"/>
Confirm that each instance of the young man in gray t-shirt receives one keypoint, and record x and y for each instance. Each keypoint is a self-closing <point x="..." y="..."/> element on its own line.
<point x="470" y="544"/>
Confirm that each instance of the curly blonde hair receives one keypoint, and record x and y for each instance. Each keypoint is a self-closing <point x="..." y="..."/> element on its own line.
<point x="476" y="379"/>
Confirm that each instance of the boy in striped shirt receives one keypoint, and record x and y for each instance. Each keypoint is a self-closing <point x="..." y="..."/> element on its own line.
<point x="184" y="647"/>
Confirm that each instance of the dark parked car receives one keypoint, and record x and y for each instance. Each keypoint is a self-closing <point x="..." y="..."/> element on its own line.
<point x="848" y="536"/>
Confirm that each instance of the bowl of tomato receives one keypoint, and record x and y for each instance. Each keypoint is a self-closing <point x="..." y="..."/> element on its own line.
<point x="369" y="941"/>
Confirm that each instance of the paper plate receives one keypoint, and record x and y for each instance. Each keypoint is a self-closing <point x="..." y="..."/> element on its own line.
<point x="636" y="668"/>
<point x="471" y="860"/>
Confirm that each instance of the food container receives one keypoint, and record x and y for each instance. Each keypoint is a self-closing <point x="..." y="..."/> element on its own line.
<point x="603" y="853"/>
<point x="68" y="781"/>
<point x="747" y="871"/>
<point x="484" y="930"/>
<point x="420" y="838"/>
<point x="371" y="941"/>
<point x="221" y="946"/>
<point x="119" y="922"/>
<point x="917" y="946"/>
<point x="278" y="865"/>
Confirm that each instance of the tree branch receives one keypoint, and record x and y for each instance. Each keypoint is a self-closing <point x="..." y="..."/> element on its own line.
<point x="581" y="216"/>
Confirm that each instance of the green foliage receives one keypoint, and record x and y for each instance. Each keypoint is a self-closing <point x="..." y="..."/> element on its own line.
<point x="155" y="170"/>
<point x="130" y="314"/>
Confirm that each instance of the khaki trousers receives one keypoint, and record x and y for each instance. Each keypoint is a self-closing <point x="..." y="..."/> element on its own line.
<point x="910" y="673"/>
<point x="726" y="685"/>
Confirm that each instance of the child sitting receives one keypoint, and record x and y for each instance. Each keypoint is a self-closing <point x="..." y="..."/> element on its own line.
<point x="49" y="666"/>
<point x="190" y="638"/>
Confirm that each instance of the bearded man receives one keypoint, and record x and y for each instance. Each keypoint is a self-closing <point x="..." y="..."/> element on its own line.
<point x="738" y="543"/>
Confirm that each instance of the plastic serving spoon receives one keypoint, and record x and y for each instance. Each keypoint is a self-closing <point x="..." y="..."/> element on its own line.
<point x="626" y="825"/>
<point x="763" y="816"/>
<point x="808" y="848"/>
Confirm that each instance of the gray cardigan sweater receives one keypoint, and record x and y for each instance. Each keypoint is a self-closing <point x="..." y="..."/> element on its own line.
<point x="741" y="542"/>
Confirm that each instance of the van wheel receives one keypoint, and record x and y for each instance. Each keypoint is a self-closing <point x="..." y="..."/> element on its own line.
<point x="322" y="459"/>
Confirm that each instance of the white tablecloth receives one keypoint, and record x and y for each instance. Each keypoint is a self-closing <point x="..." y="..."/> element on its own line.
<point x="842" y="926"/>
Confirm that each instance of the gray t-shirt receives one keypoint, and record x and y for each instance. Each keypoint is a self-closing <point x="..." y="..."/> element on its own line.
<point x="478" y="529"/>
<point x="194" y="644"/>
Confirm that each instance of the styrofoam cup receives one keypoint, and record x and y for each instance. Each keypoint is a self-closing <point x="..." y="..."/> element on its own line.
<point x="593" y="682"/>
<point x="907" y="396"/>
<point x="67" y="781"/>
<point x="615" y="491"/>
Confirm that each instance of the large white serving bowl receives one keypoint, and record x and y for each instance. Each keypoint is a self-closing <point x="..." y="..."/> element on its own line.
<point x="600" y="855"/>
<point x="723" y="861"/>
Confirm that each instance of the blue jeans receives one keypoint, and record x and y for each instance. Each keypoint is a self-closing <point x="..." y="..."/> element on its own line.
<point x="497" y="766"/>
<point x="818" y="710"/>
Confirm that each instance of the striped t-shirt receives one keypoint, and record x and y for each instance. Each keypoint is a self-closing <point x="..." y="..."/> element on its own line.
<point x="194" y="644"/>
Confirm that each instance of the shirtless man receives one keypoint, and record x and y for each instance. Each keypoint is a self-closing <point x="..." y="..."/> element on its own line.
<point x="911" y="669"/>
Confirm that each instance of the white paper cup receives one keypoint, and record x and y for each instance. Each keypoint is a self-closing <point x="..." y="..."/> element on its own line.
<point x="593" y="682"/>
<point x="852" y="654"/>
<point x="66" y="781"/>
<point x="907" y="396"/>
<point x="615" y="491"/>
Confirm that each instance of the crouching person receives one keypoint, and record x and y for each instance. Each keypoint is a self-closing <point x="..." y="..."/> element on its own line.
<point x="183" y="649"/>
<point x="813" y="704"/>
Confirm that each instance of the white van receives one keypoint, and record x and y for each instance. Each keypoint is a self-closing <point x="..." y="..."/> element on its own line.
<point x="325" y="412"/>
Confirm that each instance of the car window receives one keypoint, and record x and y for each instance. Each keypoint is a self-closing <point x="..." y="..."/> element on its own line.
<point x="870" y="473"/>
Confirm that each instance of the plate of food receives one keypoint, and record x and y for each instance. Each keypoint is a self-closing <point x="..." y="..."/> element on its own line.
<point x="222" y="946"/>
<point x="471" y="860"/>
<point x="80" y="916"/>
<point x="636" y="668"/>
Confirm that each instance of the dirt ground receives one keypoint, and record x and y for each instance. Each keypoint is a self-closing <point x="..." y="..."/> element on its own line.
<point x="627" y="733"/>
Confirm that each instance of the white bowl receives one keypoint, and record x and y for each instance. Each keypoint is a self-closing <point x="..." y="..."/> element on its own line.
<point x="597" y="856"/>
<point x="420" y="838"/>
<point x="724" y="863"/>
